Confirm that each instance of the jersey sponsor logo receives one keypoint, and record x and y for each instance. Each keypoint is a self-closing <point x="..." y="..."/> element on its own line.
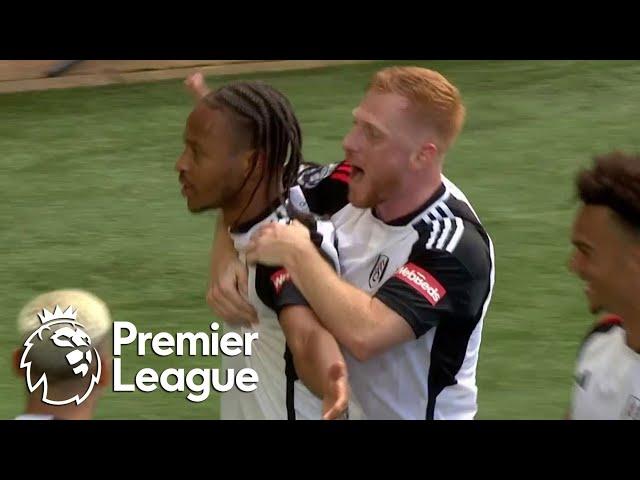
<point x="279" y="278"/>
<point x="422" y="282"/>
<point x="378" y="270"/>
<point x="632" y="409"/>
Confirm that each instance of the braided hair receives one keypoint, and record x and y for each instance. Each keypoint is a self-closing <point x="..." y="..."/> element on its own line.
<point x="268" y="118"/>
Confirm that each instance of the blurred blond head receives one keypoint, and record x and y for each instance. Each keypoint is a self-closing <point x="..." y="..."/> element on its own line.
<point x="44" y="356"/>
<point x="92" y="313"/>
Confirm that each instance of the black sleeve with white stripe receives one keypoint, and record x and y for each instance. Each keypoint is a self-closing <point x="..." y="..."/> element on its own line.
<point x="326" y="187"/>
<point x="437" y="285"/>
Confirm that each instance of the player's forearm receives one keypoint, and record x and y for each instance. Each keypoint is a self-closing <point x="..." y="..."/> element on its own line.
<point x="199" y="89"/>
<point x="222" y="250"/>
<point x="313" y="362"/>
<point x="343" y="309"/>
<point x="197" y="86"/>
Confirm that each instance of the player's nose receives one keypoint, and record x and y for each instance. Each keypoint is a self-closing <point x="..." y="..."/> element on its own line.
<point x="573" y="265"/>
<point x="181" y="163"/>
<point x="349" y="142"/>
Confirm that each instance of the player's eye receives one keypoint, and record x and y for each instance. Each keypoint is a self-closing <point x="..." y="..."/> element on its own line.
<point x="584" y="251"/>
<point x="372" y="132"/>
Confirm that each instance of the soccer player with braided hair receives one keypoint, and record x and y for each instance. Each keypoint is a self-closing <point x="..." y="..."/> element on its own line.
<point x="243" y="149"/>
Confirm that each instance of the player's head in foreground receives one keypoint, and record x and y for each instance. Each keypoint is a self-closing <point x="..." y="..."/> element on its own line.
<point x="606" y="233"/>
<point x="67" y="351"/>
<point x="402" y="129"/>
<point x="243" y="148"/>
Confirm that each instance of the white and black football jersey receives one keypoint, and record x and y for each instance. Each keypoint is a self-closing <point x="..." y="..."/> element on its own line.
<point x="435" y="268"/>
<point x="280" y="394"/>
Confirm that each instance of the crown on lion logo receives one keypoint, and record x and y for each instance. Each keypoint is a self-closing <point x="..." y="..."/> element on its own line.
<point x="58" y="314"/>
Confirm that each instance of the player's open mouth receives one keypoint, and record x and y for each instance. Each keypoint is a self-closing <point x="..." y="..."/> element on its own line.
<point x="185" y="189"/>
<point x="356" y="173"/>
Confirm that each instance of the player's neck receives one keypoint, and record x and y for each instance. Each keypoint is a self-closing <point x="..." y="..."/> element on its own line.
<point x="631" y="324"/>
<point x="409" y="199"/>
<point x="71" y="411"/>
<point x="247" y="208"/>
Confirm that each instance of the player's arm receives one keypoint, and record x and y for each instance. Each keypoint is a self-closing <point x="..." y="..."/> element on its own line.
<point x="402" y="309"/>
<point x="362" y="324"/>
<point x="197" y="86"/>
<point x="317" y="358"/>
<point x="227" y="293"/>
<point x="228" y="276"/>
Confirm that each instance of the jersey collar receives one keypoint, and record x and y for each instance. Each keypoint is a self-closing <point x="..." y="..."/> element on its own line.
<point x="244" y="227"/>
<point x="406" y="219"/>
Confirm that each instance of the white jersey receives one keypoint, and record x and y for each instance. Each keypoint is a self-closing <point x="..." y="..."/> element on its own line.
<point x="280" y="394"/>
<point x="35" y="416"/>
<point x="435" y="268"/>
<point x="607" y="380"/>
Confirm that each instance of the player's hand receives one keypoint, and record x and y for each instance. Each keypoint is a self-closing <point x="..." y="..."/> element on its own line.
<point x="228" y="296"/>
<point x="273" y="243"/>
<point x="196" y="85"/>
<point x="335" y="399"/>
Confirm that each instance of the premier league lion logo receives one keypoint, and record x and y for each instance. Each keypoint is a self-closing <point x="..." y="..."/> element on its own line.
<point x="63" y="349"/>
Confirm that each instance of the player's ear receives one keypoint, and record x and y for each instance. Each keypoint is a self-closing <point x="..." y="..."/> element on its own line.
<point x="261" y="162"/>
<point x="253" y="162"/>
<point x="424" y="156"/>
<point x="15" y="361"/>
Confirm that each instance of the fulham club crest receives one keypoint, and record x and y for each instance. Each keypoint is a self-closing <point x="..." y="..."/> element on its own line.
<point x="378" y="271"/>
